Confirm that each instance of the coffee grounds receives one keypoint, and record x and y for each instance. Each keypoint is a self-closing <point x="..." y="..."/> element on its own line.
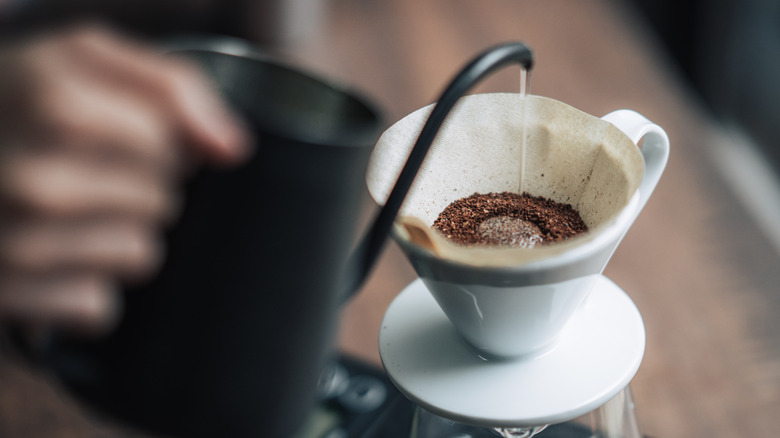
<point x="509" y="231"/>
<point x="509" y="219"/>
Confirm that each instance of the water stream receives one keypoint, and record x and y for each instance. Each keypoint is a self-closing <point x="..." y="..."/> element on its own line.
<point x="523" y="90"/>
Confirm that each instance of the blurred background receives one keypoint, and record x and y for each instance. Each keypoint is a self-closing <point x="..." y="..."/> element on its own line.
<point x="725" y="51"/>
<point x="701" y="261"/>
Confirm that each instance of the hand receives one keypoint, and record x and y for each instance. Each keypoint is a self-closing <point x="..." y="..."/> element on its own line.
<point x="95" y="132"/>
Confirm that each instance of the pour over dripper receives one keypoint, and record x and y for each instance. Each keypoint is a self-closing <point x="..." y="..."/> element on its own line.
<point x="516" y="338"/>
<point x="514" y="301"/>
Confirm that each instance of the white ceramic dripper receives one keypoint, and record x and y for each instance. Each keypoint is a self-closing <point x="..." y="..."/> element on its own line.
<point x="504" y="339"/>
<point x="513" y="302"/>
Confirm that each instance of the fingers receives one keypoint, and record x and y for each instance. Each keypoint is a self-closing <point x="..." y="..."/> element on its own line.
<point x="180" y="104"/>
<point x="87" y="222"/>
<point x="79" y="117"/>
<point x="72" y="227"/>
<point x="94" y="135"/>
<point x="61" y="184"/>
<point x="81" y="302"/>
<point x="125" y="250"/>
<point x="183" y="91"/>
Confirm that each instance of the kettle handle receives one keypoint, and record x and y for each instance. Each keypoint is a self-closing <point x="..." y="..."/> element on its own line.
<point x="370" y="247"/>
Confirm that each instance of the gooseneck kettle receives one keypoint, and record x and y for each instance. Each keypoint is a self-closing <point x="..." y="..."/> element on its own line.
<point x="230" y="337"/>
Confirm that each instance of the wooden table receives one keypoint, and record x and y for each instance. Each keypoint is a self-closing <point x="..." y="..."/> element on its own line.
<point x="702" y="274"/>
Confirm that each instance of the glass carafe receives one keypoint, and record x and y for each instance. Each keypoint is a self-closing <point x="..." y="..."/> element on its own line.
<point x="614" y="419"/>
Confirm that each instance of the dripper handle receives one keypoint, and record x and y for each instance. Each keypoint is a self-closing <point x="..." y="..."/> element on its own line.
<point x="367" y="252"/>
<point x="654" y="148"/>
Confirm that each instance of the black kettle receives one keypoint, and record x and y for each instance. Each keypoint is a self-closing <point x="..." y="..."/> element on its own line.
<point x="230" y="337"/>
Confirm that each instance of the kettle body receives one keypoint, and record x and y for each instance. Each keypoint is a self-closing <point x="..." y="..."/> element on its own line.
<point x="230" y="337"/>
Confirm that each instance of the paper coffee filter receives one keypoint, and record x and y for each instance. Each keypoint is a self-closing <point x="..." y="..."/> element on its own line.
<point x="570" y="157"/>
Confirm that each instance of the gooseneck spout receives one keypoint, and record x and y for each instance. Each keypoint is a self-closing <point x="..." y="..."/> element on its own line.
<point x="370" y="247"/>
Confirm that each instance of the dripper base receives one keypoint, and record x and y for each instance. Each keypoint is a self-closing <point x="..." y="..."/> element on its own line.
<point x="596" y="355"/>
